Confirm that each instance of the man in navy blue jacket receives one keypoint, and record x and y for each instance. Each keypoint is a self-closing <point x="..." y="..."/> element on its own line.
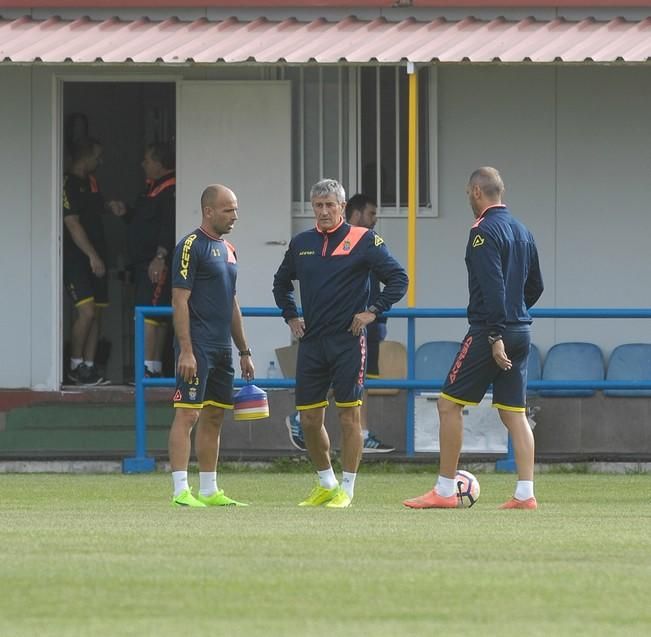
<point x="504" y="281"/>
<point x="332" y="263"/>
<point x="360" y="210"/>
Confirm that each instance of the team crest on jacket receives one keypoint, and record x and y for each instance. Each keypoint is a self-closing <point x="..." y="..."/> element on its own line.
<point x="346" y="246"/>
<point x="378" y="240"/>
<point x="478" y="241"/>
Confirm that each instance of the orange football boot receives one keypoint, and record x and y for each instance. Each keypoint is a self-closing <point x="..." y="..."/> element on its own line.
<point x="520" y="504"/>
<point x="432" y="500"/>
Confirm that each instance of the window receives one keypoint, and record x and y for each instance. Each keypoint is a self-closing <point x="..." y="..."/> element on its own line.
<point x="350" y="123"/>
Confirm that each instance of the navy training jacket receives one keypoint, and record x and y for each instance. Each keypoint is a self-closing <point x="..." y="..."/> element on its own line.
<point x="333" y="270"/>
<point x="504" y="278"/>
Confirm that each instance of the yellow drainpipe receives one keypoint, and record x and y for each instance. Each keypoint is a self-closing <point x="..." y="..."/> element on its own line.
<point x="412" y="183"/>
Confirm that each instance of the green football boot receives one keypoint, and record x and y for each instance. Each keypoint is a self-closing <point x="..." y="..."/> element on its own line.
<point x="318" y="496"/>
<point x="186" y="499"/>
<point x="218" y="499"/>
<point x="340" y="501"/>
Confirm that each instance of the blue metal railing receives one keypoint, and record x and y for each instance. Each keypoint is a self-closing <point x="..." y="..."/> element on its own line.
<point x="141" y="463"/>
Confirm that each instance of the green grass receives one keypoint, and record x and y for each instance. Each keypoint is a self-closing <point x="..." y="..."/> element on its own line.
<point x="106" y="555"/>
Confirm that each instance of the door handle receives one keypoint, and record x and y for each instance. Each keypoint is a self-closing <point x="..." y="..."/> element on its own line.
<point x="276" y="243"/>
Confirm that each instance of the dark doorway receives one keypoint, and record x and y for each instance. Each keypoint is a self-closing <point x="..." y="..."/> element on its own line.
<point x="124" y="117"/>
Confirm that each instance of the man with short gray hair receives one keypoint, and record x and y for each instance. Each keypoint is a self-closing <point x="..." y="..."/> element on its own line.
<point x="332" y="263"/>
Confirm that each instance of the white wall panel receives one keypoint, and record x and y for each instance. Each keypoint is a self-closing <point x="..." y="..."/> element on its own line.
<point x="45" y="325"/>
<point x="604" y="169"/>
<point x="16" y="224"/>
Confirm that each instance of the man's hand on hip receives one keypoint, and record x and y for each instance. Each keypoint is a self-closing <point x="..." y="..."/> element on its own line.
<point x="360" y="321"/>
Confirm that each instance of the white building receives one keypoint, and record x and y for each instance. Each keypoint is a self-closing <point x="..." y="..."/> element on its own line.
<point x="268" y="97"/>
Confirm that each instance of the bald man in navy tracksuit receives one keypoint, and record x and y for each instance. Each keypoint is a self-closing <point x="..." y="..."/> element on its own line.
<point x="332" y="263"/>
<point x="504" y="281"/>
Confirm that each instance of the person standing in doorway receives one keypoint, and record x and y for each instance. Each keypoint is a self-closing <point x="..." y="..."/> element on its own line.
<point x="504" y="281"/>
<point x="360" y="211"/>
<point x="332" y="263"/>
<point x="84" y="258"/>
<point x="206" y="317"/>
<point x="151" y="236"/>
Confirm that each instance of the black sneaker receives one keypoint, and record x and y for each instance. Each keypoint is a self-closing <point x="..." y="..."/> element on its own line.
<point x="373" y="445"/>
<point x="85" y="375"/>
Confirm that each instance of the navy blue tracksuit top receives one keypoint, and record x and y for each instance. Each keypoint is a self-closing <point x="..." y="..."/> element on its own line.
<point x="504" y="278"/>
<point x="333" y="270"/>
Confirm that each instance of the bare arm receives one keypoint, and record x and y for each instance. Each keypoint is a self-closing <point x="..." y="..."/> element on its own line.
<point x="187" y="364"/>
<point x="82" y="241"/>
<point x="237" y="332"/>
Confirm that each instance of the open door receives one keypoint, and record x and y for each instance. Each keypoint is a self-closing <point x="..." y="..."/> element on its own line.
<point x="239" y="134"/>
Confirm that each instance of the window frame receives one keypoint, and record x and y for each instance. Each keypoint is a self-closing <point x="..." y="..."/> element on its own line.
<point x="302" y="209"/>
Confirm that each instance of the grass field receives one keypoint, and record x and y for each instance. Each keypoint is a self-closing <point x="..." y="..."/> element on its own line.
<point x="106" y="555"/>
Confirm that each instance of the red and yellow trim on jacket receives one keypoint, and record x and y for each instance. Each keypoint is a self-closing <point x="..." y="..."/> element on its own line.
<point x="164" y="185"/>
<point x="349" y="241"/>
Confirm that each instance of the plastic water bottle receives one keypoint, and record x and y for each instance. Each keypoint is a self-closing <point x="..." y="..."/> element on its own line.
<point x="272" y="370"/>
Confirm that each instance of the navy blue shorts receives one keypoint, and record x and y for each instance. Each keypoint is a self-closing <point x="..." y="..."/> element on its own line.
<point x="82" y="285"/>
<point x="474" y="370"/>
<point x="213" y="384"/>
<point x="338" y="361"/>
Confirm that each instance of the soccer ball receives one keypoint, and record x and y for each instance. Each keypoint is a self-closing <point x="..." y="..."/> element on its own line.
<point x="467" y="489"/>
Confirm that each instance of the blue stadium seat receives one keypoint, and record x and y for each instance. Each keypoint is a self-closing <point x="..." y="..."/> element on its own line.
<point x="573" y="361"/>
<point x="434" y="359"/>
<point x="630" y="362"/>
<point x="534" y="366"/>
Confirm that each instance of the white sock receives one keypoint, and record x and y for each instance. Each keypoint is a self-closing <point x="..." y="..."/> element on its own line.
<point x="156" y="366"/>
<point x="180" y="479"/>
<point x="75" y="362"/>
<point x="348" y="483"/>
<point x="524" y="489"/>
<point x="89" y="363"/>
<point x="445" y="487"/>
<point x="150" y="365"/>
<point x="364" y="434"/>
<point x="327" y="478"/>
<point x="207" y="482"/>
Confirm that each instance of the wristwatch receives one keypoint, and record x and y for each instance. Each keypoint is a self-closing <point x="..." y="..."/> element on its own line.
<point x="373" y="310"/>
<point x="493" y="338"/>
<point x="245" y="352"/>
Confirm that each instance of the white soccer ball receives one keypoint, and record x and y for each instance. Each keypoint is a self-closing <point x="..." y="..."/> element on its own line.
<point x="467" y="489"/>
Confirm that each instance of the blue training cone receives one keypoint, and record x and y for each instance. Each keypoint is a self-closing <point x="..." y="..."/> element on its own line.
<point x="251" y="404"/>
